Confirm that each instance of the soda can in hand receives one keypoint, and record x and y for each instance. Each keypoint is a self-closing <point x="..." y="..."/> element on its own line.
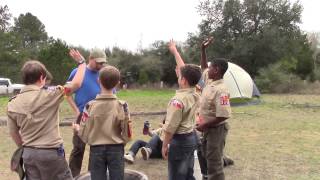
<point x="146" y="127"/>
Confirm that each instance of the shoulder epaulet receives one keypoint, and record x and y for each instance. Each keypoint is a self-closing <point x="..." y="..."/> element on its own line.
<point x="12" y="98"/>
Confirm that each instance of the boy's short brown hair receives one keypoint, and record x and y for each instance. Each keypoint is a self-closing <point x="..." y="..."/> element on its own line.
<point x="109" y="76"/>
<point x="32" y="70"/>
<point x="192" y="73"/>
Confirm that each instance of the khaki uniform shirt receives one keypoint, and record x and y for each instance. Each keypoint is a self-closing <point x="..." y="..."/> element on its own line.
<point x="104" y="121"/>
<point x="214" y="101"/>
<point x="35" y="113"/>
<point x="181" y="110"/>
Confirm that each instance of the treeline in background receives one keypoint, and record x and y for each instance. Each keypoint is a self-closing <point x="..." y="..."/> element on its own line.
<point x="262" y="36"/>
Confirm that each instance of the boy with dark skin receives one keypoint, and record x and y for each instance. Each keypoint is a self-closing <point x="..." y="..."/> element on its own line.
<point x="213" y="112"/>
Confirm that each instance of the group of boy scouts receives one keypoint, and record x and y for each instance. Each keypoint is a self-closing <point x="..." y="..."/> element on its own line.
<point x="104" y="121"/>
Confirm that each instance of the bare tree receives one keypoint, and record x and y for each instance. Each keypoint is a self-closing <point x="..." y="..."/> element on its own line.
<point x="5" y="16"/>
<point x="314" y="39"/>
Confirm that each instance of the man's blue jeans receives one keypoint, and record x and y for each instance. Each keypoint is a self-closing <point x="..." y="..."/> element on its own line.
<point x="155" y="144"/>
<point x="181" y="157"/>
<point x="103" y="157"/>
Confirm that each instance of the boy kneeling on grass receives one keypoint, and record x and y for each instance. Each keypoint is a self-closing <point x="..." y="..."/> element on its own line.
<point x="105" y="126"/>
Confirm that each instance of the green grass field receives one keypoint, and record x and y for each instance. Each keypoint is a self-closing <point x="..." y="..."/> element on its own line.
<point x="277" y="139"/>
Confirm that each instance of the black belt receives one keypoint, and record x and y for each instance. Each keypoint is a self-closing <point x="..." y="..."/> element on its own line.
<point x="218" y="125"/>
<point x="107" y="145"/>
<point x="31" y="147"/>
<point x="183" y="135"/>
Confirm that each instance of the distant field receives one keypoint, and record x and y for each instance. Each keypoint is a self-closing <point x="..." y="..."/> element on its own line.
<point x="138" y="100"/>
<point x="277" y="139"/>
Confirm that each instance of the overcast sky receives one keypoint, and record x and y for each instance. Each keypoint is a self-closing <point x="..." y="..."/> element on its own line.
<point x="126" y="23"/>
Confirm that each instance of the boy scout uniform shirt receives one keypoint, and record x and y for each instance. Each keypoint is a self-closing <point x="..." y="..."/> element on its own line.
<point x="214" y="101"/>
<point x="35" y="113"/>
<point x="181" y="110"/>
<point x="103" y="121"/>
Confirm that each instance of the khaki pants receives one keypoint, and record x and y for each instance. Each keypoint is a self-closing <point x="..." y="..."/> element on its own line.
<point x="45" y="164"/>
<point x="213" y="145"/>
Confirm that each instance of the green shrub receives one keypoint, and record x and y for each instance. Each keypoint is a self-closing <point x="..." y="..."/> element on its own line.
<point x="316" y="74"/>
<point x="143" y="77"/>
<point x="274" y="79"/>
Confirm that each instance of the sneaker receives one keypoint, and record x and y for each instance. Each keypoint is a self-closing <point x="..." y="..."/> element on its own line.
<point x="227" y="161"/>
<point x="129" y="158"/>
<point x="145" y="153"/>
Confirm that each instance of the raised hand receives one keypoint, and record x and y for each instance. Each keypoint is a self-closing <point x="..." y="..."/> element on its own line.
<point x="76" y="55"/>
<point x="172" y="46"/>
<point x="207" y="42"/>
<point x="173" y="49"/>
<point x="203" y="59"/>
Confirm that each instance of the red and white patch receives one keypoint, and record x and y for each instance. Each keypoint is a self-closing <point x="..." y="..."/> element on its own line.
<point x="177" y="104"/>
<point x="85" y="114"/>
<point x="224" y="99"/>
<point x="67" y="90"/>
<point x="84" y="117"/>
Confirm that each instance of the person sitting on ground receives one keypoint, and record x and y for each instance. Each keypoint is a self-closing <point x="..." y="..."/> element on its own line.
<point x="151" y="149"/>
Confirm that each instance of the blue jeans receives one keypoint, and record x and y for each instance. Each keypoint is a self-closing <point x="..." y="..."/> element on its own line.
<point x="181" y="157"/>
<point x="103" y="157"/>
<point x="155" y="144"/>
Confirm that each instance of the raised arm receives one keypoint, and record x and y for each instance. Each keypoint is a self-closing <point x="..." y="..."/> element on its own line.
<point x="79" y="76"/>
<point x="173" y="49"/>
<point x="204" y="45"/>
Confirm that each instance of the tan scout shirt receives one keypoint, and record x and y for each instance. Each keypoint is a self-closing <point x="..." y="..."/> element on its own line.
<point x="104" y="121"/>
<point x="181" y="110"/>
<point x="214" y="101"/>
<point x="35" y="113"/>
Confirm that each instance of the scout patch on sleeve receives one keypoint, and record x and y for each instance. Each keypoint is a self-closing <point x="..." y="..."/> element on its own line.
<point x="53" y="88"/>
<point x="85" y="114"/>
<point x="49" y="88"/>
<point x="176" y="103"/>
<point x="224" y="99"/>
<point x="67" y="90"/>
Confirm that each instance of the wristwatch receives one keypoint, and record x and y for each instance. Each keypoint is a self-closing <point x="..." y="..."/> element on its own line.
<point x="81" y="61"/>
